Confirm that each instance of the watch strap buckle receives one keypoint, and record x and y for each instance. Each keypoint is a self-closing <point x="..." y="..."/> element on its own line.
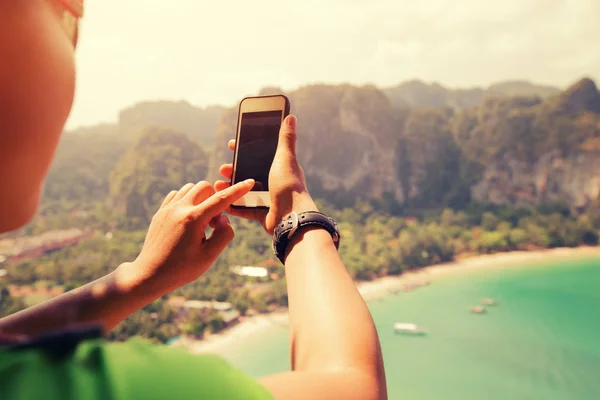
<point x="295" y="223"/>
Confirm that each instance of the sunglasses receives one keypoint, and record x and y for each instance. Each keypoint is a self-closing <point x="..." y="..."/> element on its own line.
<point x="72" y="11"/>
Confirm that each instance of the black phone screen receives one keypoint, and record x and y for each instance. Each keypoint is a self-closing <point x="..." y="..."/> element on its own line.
<point x="259" y="134"/>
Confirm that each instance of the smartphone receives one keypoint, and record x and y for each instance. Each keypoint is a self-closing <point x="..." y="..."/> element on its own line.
<point x="259" y="121"/>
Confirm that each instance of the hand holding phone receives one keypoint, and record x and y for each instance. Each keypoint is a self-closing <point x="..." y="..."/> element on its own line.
<point x="259" y="122"/>
<point x="287" y="183"/>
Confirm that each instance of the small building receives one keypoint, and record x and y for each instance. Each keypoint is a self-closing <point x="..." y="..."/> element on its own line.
<point x="230" y="317"/>
<point x="411" y="220"/>
<point x="254" y="272"/>
<point x="176" y="301"/>
<point x="203" y="305"/>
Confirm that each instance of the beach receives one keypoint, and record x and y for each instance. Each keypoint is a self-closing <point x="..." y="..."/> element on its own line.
<point x="377" y="289"/>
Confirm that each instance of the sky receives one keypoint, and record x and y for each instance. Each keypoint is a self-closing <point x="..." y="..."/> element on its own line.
<point x="218" y="51"/>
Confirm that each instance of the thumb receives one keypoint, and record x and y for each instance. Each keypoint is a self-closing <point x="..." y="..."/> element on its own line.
<point x="220" y="238"/>
<point x="287" y="136"/>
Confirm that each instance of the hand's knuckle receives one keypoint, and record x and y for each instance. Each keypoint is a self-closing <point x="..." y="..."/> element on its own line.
<point x="203" y="187"/>
<point x="221" y="196"/>
<point x="187" y="186"/>
<point x="211" y="190"/>
<point x="180" y="213"/>
<point x="189" y="217"/>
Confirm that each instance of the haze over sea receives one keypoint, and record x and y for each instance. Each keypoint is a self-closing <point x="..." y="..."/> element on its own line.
<point x="541" y="342"/>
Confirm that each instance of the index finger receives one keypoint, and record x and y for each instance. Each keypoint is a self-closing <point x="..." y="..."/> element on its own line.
<point x="218" y="202"/>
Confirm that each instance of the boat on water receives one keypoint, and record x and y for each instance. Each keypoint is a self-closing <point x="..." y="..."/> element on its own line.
<point x="409" y="329"/>
<point x="489" y="302"/>
<point x="478" y="310"/>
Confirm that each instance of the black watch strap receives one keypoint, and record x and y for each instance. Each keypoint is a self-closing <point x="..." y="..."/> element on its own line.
<point x="286" y="229"/>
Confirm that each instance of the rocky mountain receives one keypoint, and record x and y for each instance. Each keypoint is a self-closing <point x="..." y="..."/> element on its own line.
<point x="442" y="148"/>
<point x="345" y="131"/>
<point x="538" y="152"/>
<point x="418" y="94"/>
<point x="86" y="156"/>
<point x="525" y="150"/>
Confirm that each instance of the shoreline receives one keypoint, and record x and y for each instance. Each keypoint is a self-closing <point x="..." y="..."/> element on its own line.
<point x="383" y="287"/>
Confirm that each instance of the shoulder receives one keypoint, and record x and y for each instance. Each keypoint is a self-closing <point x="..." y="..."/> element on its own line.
<point x="167" y="370"/>
<point x="139" y="369"/>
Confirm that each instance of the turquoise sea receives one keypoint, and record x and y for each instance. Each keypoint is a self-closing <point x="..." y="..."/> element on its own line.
<point x="541" y="342"/>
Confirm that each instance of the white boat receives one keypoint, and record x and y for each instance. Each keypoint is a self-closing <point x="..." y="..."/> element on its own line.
<point x="408" y="328"/>
<point x="489" y="302"/>
<point x="478" y="310"/>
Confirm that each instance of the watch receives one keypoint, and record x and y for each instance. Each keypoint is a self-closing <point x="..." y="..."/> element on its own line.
<point x="286" y="229"/>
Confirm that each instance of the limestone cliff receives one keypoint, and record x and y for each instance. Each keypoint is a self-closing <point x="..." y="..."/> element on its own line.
<point x="564" y="163"/>
<point x="573" y="180"/>
<point x="354" y="142"/>
<point x="346" y="140"/>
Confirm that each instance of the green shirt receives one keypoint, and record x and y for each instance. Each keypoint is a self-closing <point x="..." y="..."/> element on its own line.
<point x="94" y="369"/>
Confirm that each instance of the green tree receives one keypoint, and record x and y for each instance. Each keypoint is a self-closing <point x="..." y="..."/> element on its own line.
<point x="214" y="322"/>
<point x="8" y="304"/>
<point x="492" y="242"/>
<point x="242" y="302"/>
<point x="518" y="239"/>
<point x="489" y="221"/>
<point x="586" y="231"/>
<point x="195" y="325"/>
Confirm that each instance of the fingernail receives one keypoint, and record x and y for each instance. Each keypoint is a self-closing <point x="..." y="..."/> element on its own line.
<point x="249" y="182"/>
<point x="291" y="121"/>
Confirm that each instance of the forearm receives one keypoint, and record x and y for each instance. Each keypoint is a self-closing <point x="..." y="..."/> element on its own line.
<point x="330" y="323"/>
<point x="105" y="302"/>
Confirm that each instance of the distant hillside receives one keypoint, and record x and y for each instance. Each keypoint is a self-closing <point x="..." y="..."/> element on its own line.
<point x="536" y="152"/>
<point x="83" y="163"/>
<point x="521" y="88"/>
<point x="86" y="156"/>
<point x="357" y="142"/>
<point x="198" y="123"/>
<point x="418" y="94"/>
<point x="161" y="160"/>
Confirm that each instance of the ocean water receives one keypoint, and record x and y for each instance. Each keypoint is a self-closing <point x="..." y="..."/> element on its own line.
<point x="542" y="341"/>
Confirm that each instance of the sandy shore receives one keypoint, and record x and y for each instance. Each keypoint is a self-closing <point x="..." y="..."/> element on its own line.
<point x="250" y="326"/>
<point x="385" y="286"/>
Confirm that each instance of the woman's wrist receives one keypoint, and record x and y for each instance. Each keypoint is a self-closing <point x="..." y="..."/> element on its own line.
<point x="130" y="281"/>
<point x="302" y="202"/>
<point x="309" y="239"/>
